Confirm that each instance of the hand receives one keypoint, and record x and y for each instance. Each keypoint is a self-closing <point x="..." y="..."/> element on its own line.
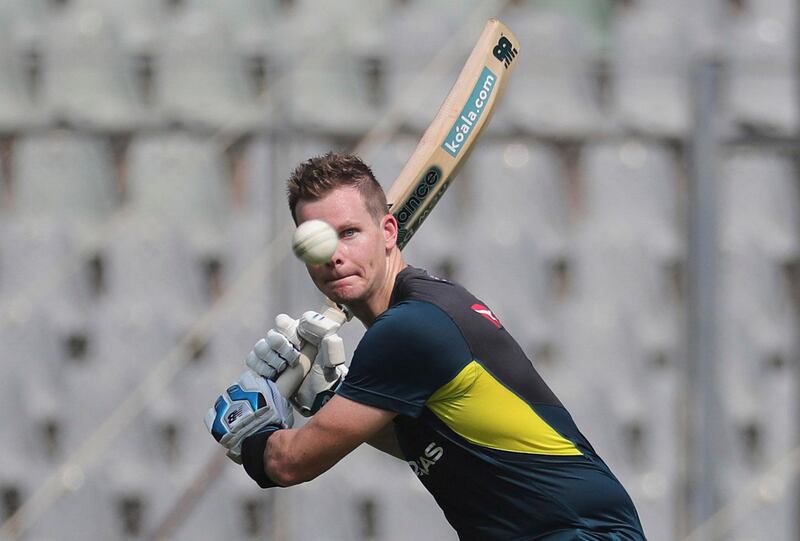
<point x="281" y="347"/>
<point x="325" y="376"/>
<point x="251" y="405"/>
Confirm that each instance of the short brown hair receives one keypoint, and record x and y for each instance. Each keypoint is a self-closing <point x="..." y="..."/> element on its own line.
<point x="316" y="177"/>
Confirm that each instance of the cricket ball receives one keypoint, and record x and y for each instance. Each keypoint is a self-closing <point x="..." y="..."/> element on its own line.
<point x="314" y="242"/>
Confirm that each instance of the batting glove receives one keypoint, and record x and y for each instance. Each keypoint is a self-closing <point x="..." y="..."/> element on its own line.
<point x="251" y="405"/>
<point x="281" y="347"/>
<point x="325" y="376"/>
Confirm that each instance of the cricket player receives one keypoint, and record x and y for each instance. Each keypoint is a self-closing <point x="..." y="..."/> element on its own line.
<point x="436" y="381"/>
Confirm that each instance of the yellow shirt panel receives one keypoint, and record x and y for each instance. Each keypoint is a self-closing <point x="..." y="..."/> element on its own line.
<point x="483" y="411"/>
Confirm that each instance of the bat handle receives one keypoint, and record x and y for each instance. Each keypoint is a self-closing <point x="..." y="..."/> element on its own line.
<point x="290" y="379"/>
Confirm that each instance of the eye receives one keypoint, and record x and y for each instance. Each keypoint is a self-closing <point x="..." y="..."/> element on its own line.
<point x="348" y="233"/>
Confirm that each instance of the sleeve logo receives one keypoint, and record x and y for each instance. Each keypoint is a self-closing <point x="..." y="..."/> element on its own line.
<point x="488" y="314"/>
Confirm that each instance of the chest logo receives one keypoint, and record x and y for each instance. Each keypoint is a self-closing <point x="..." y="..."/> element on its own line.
<point x="488" y="314"/>
<point x="422" y="466"/>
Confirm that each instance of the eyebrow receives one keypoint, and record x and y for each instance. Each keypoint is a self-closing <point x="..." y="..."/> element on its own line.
<point x="348" y="225"/>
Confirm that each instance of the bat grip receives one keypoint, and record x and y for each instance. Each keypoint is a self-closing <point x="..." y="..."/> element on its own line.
<point x="291" y="378"/>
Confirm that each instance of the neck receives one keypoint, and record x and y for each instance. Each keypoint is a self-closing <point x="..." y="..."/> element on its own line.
<point x="379" y="302"/>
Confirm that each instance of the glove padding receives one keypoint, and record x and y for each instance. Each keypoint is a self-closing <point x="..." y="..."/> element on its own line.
<point x="251" y="405"/>
<point x="325" y="376"/>
<point x="281" y="347"/>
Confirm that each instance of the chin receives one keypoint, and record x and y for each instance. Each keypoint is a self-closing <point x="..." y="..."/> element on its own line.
<point x="345" y="295"/>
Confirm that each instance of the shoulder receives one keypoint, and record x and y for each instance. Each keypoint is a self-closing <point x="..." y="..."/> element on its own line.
<point x="470" y="314"/>
<point x="409" y="325"/>
<point x="414" y="283"/>
<point x="408" y="353"/>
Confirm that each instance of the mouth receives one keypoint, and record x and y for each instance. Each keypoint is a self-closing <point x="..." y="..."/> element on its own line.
<point x="336" y="280"/>
<point x="340" y="283"/>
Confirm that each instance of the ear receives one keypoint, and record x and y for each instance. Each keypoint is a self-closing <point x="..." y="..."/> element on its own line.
<point x="390" y="229"/>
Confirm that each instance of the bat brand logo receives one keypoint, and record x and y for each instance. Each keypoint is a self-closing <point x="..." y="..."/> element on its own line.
<point x="471" y="113"/>
<point x="505" y="51"/>
<point x="422" y="465"/>
<point x="409" y="209"/>
<point x="485" y="312"/>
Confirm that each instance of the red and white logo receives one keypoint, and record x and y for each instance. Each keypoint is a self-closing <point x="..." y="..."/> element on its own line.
<point x="485" y="312"/>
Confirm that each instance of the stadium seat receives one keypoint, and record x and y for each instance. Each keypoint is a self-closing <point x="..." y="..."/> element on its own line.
<point x="258" y="27"/>
<point x="762" y="87"/>
<point x="139" y="491"/>
<point x="127" y="340"/>
<point x="627" y="277"/>
<point x="783" y="10"/>
<point x="248" y="237"/>
<point x="180" y="179"/>
<point x="87" y="79"/>
<point x="42" y="264"/>
<point x="16" y="107"/>
<point x="420" y="74"/>
<point x="199" y="80"/>
<point x="10" y="395"/>
<point x="87" y="510"/>
<point x="328" y="93"/>
<point x="520" y="182"/>
<point x="141" y="25"/>
<point x="759" y="204"/>
<point x="758" y="340"/>
<point x="259" y="178"/>
<point x="387" y="160"/>
<point x="65" y="175"/>
<point x="552" y="93"/>
<point x="758" y="329"/>
<point x="627" y="242"/>
<point x="650" y="73"/>
<point x="631" y="195"/>
<point x="152" y="266"/>
<point x="233" y="505"/>
<point x="130" y="341"/>
<point x="37" y="392"/>
<point x="750" y="480"/>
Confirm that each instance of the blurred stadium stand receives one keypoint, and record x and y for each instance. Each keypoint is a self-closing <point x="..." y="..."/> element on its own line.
<point x="555" y="95"/>
<point x="86" y="79"/>
<point x="651" y="65"/>
<point x="143" y="148"/>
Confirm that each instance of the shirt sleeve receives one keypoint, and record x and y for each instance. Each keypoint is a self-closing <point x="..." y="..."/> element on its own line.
<point x="404" y="357"/>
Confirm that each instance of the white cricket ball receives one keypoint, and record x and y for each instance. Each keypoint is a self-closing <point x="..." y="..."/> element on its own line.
<point x="314" y="242"/>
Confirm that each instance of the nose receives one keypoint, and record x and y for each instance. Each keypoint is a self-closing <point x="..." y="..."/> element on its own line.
<point x="336" y="259"/>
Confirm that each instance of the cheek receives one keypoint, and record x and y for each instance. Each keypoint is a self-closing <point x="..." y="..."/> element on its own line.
<point x="314" y="272"/>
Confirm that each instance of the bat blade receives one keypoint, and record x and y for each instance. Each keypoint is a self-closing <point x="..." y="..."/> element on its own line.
<point x="441" y="152"/>
<point x="450" y="137"/>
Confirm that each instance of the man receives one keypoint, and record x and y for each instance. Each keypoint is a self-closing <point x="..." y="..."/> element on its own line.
<point x="436" y="381"/>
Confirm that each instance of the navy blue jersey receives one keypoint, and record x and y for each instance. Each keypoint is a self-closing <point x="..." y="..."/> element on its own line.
<point x="478" y="425"/>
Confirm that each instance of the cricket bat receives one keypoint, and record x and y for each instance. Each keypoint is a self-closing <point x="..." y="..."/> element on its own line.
<point x="439" y="156"/>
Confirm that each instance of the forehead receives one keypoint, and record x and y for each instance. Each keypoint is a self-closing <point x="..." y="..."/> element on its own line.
<point x="344" y="204"/>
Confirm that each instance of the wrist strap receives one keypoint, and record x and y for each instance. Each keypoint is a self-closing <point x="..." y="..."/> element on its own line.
<point x="253" y="457"/>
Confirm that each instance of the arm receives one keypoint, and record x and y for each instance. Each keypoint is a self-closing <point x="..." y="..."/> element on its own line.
<point x="295" y="456"/>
